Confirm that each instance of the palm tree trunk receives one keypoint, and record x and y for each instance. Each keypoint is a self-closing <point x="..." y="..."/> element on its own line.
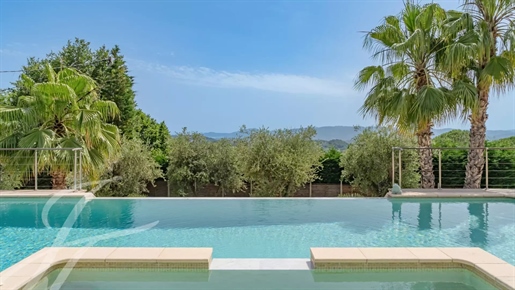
<point x="426" y="156"/>
<point x="58" y="179"/>
<point x="476" y="161"/>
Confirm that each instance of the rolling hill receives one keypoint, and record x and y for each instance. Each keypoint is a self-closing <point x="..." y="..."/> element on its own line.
<point x="347" y="133"/>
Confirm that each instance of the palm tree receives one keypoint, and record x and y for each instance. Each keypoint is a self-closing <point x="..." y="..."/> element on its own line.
<point x="64" y="112"/>
<point x="490" y="61"/>
<point x="408" y="89"/>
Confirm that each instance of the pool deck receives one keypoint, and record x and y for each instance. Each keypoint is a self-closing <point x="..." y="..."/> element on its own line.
<point x="453" y="193"/>
<point x="26" y="273"/>
<point x="47" y="193"/>
<point x="487" y="266"/>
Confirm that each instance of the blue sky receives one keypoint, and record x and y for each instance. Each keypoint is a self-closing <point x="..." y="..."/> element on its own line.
<point x="216" y="65"/>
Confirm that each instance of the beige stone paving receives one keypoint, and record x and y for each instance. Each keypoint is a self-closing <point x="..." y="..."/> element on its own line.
<point x="331" y="254"/>
<point x="387" y="254"/>
<point x="479" y="261"/>
<point x="26" y="272"/>
<point x="453" y="193"/>
<point x="46" y="193"/>
<point x="429" y="255"/>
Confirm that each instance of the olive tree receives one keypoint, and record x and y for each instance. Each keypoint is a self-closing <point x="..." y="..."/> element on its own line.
<point x="132" y="171"/>
<point x="189" y="162"/>
<point x="225" y="167"/>
<point x="278" y="163"/>
<point x="367" y="163"/>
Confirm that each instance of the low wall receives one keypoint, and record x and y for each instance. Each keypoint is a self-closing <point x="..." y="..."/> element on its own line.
<point x="210" y="190"/>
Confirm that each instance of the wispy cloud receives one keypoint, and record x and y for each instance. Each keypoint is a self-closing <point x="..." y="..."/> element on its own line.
<point x="276" y="82"/>
<point x="10" y="52"/>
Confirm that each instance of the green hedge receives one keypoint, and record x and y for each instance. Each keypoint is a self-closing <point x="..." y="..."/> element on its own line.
<point x="501" y="163"/>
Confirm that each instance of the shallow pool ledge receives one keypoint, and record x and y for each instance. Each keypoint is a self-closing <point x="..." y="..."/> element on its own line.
<point x="26" y="273"/>
<point x="489" y="267"/>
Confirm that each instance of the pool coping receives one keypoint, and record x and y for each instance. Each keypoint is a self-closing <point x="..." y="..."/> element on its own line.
<point x="46" y="193"/>
<point x="487" y="266"/>
<point x="26" y="273"/>
<point x="453" y="193"/>
<point x="406" y="193"/>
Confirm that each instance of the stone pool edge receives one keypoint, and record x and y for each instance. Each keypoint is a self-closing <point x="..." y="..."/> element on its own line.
<point x="26" y="273"/>
<point x="487" y="266"/>
<point x="47" y="193"/>
<point x="453" y="193"/>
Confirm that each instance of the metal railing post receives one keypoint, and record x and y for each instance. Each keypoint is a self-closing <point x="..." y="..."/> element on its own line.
<point x="80" y="170"/>
<point x="393" y="166"/>
<point x="35" y="169"/>
<point x="486" y="168"/>
<point x="440" y="169"/>
<point x="74" y="170"/>
<point x="400" y="168"/>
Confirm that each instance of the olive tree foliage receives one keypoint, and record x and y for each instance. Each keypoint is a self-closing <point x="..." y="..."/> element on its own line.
<point x="225" y="167"/>
<point x="278" y="163"/>
<point x="188" y="162"/>
<point x="132" y="171"/>
<point x="367" y="162"/>
<point x="195" y="162"/>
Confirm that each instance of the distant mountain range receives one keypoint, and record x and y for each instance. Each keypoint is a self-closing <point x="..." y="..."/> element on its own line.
<point x="347" y="133"/>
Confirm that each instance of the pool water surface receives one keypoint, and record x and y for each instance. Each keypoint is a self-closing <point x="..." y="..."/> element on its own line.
<point x="255" y="228"/>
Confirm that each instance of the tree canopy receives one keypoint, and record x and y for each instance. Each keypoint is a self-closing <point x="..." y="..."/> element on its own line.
<point x="483" y="51"/>
<point x="105" y="66"/>
<point x="278" y="163"/>
<point x="409" y="89"/>
<point x="62" y="112"/>
<point x="367" y="163"/>
<point x="132" y="171"/>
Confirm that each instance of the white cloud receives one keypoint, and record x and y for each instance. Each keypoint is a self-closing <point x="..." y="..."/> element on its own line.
<point x="283" y="83"/>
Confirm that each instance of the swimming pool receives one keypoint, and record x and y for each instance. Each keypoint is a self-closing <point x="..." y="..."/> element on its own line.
<point x="262" y="279"/>
<point x="255" y="228"/>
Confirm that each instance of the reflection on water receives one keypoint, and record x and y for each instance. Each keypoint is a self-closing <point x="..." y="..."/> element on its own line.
<point x="478" y="223"/>
<point x="263" y="228"/>
<point x="477" y="219"/>
<point x="30" y="213"/>
<point x="424" y="216"/>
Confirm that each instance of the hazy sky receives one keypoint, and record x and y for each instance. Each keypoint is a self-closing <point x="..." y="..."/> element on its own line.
<point x="216" y="65"/>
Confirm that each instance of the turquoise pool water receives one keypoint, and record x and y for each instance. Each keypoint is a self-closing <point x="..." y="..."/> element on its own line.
<point x="255" y="228"/>
<point x="100" y="279"/>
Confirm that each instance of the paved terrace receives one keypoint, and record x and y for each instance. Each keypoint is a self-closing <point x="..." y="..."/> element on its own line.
<point x="454" y="193"/>
<point x="46" y="193"/>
